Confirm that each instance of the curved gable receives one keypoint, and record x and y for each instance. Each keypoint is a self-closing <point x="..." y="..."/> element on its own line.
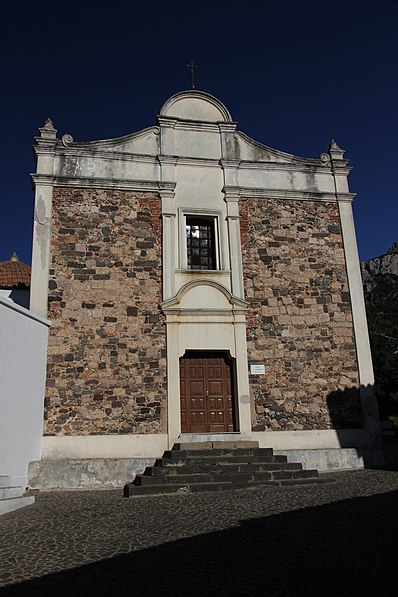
<point x="197" y="106"/>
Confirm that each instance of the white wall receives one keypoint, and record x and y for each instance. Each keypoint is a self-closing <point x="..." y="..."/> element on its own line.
<point x="23" y="354"/>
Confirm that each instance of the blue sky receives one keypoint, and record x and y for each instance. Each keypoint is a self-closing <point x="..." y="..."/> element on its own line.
<point x="293" y="74"/>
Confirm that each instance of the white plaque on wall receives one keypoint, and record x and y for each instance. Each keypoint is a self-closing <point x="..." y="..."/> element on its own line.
<point x="257" y="369"/>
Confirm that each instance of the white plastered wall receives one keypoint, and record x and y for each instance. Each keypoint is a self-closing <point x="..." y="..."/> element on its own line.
<point x="23" y="351"/>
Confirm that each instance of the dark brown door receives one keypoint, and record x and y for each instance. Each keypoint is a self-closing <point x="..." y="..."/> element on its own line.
<point x="206" y="393"/>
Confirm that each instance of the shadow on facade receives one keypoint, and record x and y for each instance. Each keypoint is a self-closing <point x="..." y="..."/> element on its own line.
<point x="345" y="548"/>
<point x="354" y="416"/>
<point x="345" y="409"/>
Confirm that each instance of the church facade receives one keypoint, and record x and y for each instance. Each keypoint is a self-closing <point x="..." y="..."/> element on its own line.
<point x="199" y="285"/>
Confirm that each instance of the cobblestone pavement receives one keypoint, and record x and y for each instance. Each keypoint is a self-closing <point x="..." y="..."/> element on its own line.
<point x="332" y="539"/>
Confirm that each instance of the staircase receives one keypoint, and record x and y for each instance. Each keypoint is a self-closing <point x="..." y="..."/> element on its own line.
<point x="11" y="495"/>
<point x="215" y="466"/>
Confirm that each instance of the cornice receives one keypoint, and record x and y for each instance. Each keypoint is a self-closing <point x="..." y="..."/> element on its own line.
<point x="246" y="192"/>
<point x="232" y="193"/>
<point x="203" y="312"/>
<point x="316" y="167"/>
<point x="119" y="156"/>
<point x="197" y="125"/>
<point x="77" y="152"/>
<point x="104" y="183"/>
<point x="228" y="127"/>
<point x="285" y="156"/>
<point x="188" y="161"/>
<point x="133" y="157"/>
<point x="68" y="141"/>
<point x="188" y="125"/>
<point x="45" y="149"/>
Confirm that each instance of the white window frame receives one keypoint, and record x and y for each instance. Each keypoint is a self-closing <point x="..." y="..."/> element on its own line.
<point x="197" y="213"/>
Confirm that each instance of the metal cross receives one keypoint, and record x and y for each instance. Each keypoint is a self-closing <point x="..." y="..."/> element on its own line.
<point x="192" y="66"/>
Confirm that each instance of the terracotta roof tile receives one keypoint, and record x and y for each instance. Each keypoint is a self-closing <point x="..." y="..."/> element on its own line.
<point x="14" y="273"/>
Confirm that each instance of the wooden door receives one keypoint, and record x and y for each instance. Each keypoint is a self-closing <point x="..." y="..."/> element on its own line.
<point x="206" y="393"/>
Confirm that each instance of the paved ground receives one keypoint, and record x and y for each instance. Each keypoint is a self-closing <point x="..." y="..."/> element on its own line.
<point x="333" y="539"/>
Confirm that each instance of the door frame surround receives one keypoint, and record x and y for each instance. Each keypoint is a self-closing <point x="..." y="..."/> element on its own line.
<point x="205" y="316"/>
<point x="232" y="364"/>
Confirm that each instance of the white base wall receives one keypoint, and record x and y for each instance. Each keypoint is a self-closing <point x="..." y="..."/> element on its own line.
<point x="87" y="473"/>
<point x="103" y="446"/>
<point x="292" y="440"/>
<point x="152" y="446"/>
<point x="329" y="460"/>
<point x="109" y="461"/>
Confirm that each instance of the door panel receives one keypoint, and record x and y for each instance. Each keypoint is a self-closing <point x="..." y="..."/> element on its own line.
<point x="206" y="393"/>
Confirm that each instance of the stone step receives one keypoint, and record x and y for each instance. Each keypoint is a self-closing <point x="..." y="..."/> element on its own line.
<point x="216" y="460"/>
<point x="224" y="476"/>
<point x="5" y="481"/>
<point x="215" y="468"/>
<point x="299" y="474"/>
<point x="264" y="453"/>
<point x="131" y="490"/>
<point x="309" y="480"/>
<point x="11" y="504"/>
<point x="12" y="496"/>
<point x="214" y="445"/>
<point x="236" y="479"/>
<point x="174" y="479"/>
<point x="10" y="492"/>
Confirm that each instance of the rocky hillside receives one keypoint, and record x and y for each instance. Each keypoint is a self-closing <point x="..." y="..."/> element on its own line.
<point x="380" y="280"/>
<point x="385" y="264"/>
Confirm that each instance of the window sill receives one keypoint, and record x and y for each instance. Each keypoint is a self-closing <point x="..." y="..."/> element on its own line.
<point x="208" y="272"/>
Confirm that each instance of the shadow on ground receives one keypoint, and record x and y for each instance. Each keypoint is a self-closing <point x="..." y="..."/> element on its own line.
<point x="346" y="548"/>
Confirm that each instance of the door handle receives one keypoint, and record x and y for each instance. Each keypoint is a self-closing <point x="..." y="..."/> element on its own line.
<point x="207" y="393"/>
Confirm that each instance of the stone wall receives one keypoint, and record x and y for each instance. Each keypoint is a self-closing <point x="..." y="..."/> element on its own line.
<point x="299" y="320"/>
<point x="107" y="346"/>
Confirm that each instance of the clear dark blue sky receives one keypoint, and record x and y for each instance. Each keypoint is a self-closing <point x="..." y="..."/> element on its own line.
<point x="293" y="75"/>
